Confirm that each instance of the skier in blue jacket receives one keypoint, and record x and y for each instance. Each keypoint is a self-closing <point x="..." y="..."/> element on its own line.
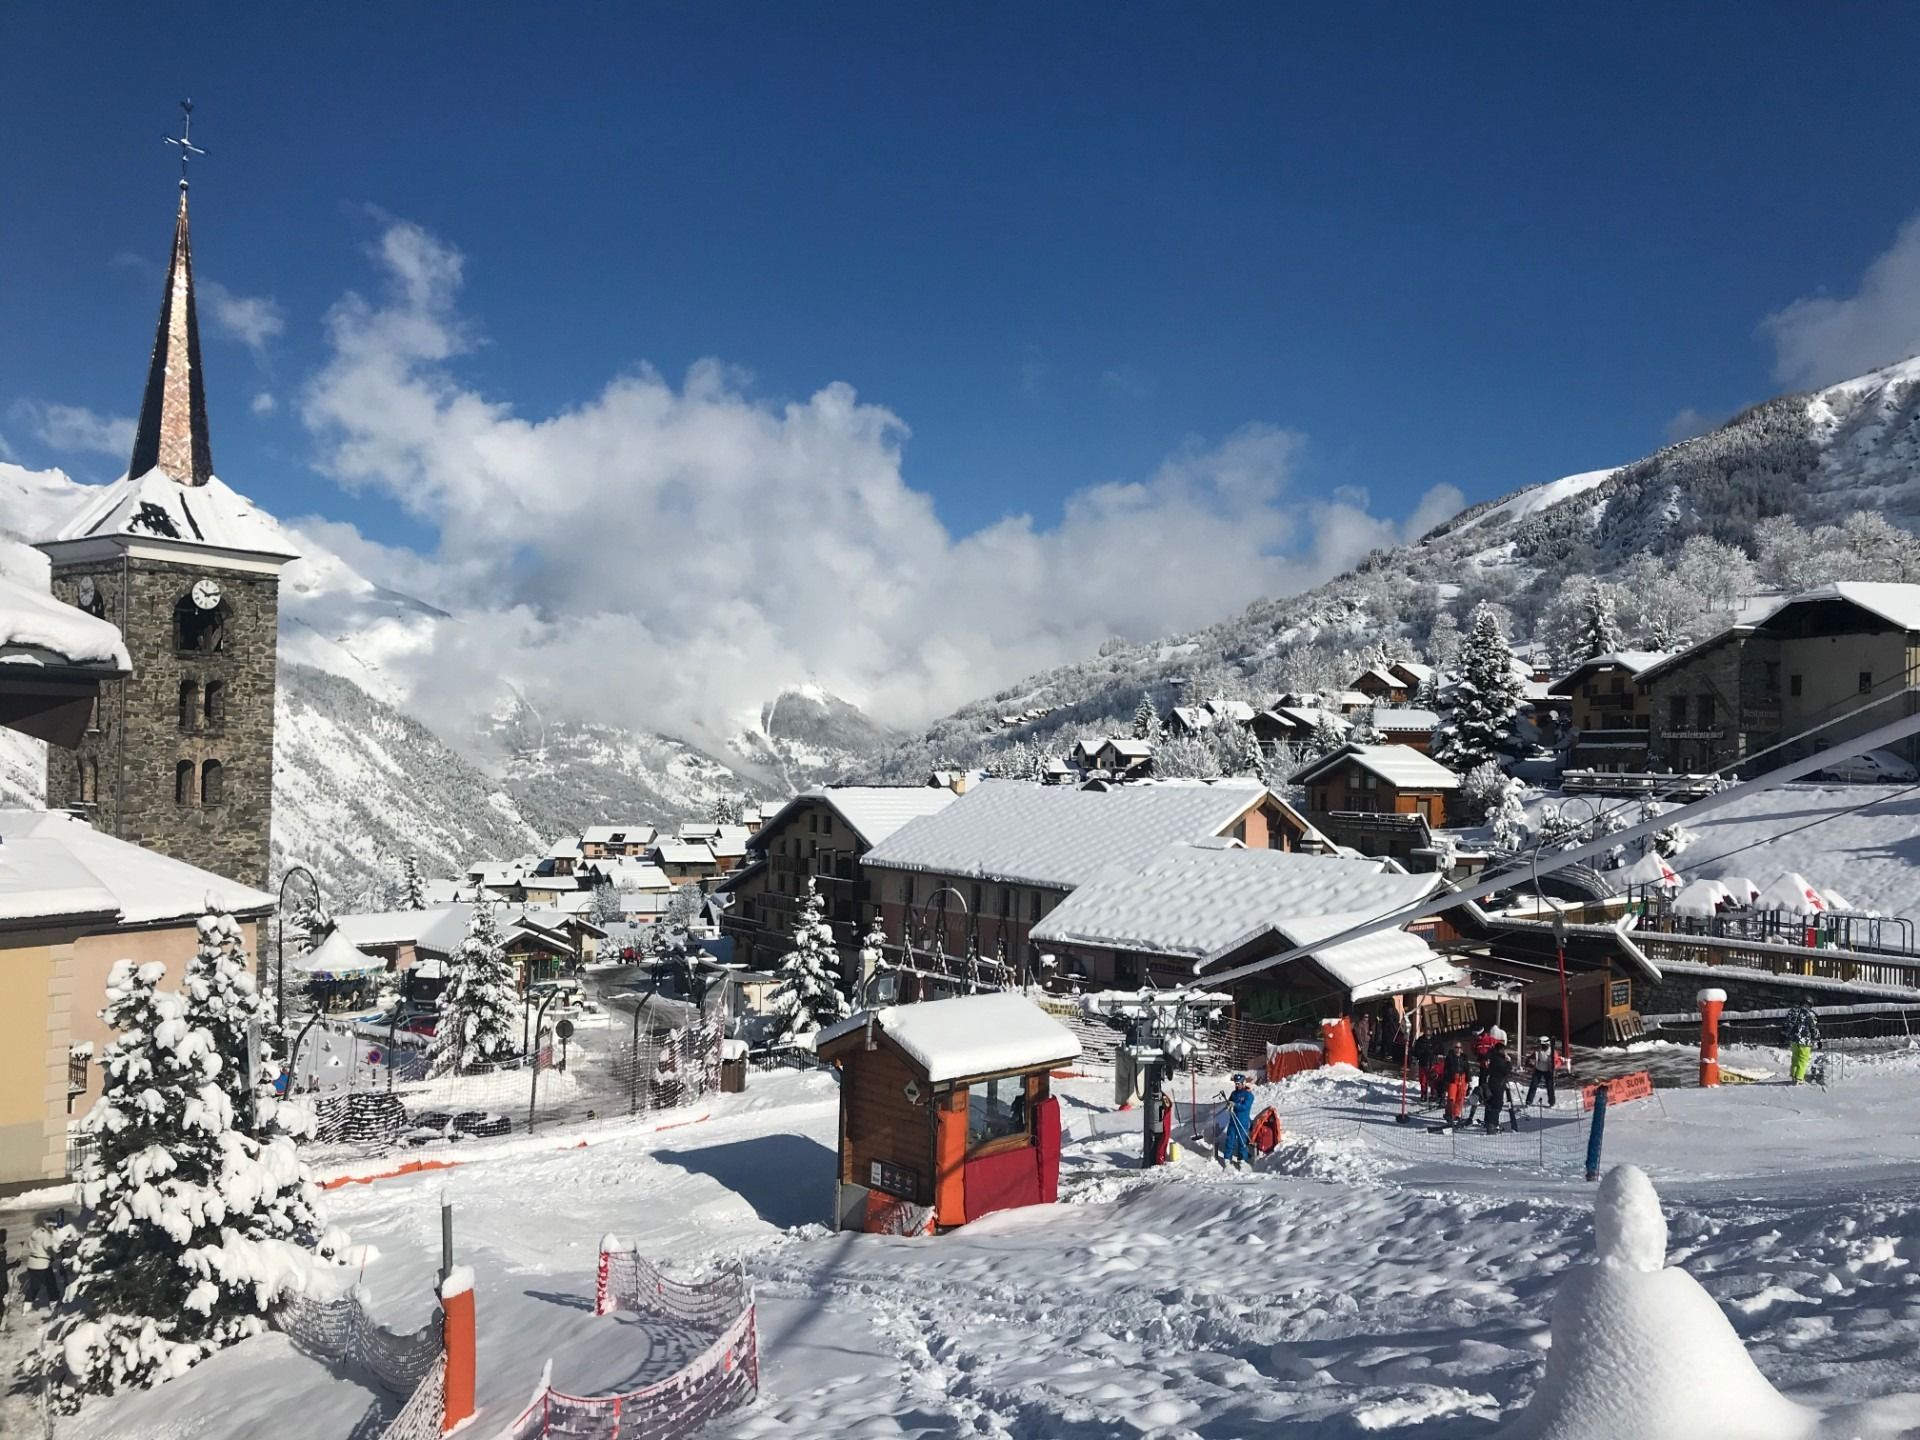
<point x="1239" y="1123"/>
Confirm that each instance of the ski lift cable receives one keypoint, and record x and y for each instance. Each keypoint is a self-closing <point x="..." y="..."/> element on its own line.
<point x="1876" y="739"/>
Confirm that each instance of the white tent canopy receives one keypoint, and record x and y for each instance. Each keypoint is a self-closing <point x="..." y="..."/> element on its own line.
<point x="1701" y="899"/>
<point x="1650" y="869"/>
<point x="1793" y="894"/>
<point x="336" y="958"/>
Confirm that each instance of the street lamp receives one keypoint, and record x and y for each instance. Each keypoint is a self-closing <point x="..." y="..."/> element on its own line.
<point x="280" y="932"/>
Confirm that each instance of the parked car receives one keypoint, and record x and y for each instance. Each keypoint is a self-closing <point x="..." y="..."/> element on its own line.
<point x="1874" y="767"/>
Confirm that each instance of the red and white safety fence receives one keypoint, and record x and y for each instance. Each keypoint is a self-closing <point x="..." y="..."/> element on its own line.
<point x="724" y="1375"/>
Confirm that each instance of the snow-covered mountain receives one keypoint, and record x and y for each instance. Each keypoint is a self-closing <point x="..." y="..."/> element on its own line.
<point x="1814" y="457"/>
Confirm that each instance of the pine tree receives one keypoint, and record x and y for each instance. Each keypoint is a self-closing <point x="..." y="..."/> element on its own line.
<point x="198" y="1228"/>
<point x="480" y="1012"/>
<point x="1486" y="699"/>
<point x="807" y="996"/>
<point x="1329" y="734"/>
<point x="1146" y="721"/>
<point x="1443" y="643"/>
<point x="873" y="951"/>
<point x="1599" y="629"/>
<point x="1510" y="819"/>
<point x="1366" y="730"/>
<point x="725" y="810"/>
<point x="414" y="890"/>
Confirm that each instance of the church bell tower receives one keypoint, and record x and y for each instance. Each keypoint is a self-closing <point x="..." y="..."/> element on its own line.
<point x="179" y="757"/>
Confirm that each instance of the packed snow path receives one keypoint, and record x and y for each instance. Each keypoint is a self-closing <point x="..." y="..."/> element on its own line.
<point x="1345" y="1288"/>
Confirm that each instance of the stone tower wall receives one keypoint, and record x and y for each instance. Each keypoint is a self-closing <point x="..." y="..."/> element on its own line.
<point x="141" y="736"/>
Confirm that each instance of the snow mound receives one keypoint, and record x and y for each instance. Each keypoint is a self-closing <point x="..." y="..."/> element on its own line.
<point x="1640" y="1349"/>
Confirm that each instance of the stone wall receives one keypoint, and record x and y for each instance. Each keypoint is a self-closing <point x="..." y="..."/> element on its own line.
<point x="142" y="737"/>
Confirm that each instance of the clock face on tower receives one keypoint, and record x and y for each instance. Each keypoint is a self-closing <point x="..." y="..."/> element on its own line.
<point x="206" y="593"/>
<point x="87" y="591"/>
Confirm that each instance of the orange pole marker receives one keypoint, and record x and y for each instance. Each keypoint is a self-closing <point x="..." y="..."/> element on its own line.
<point x="1711" y="1004"/>
<point x="456" y="1300"/>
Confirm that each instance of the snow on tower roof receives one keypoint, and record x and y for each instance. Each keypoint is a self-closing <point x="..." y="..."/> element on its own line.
<point x="36" y="628"/>
<point x="970" y="1035"/>
<point x="1399" y="765"/>
<point x="1204" y="902"/>
<point x="1011" y="831"/>
<point x="154" y="506"/>
<point x="146" y="886"/>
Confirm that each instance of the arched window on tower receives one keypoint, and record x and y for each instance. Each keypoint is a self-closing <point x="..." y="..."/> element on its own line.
<point x="199" y="631"/>
<point x="189" y="704"/>
<point x="216" y="706"/>
<point x="213" y="783"/>
<point x="183" y="783"/>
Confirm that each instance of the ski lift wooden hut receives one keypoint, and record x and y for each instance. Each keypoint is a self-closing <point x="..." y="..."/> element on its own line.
<point x="945" y="1111"/>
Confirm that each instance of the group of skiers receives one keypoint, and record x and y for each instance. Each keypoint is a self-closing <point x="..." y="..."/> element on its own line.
<point x="1455" y="1073"/>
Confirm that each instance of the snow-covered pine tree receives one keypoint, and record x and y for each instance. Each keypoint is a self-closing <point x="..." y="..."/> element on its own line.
<point x="1146" y="721"/>
<point x="1599" y="629"/>
<point x="480" y="1013"/>
<point x="413" y="889"/>
<point x="1486" y="699"/>
<point x="725" y="810"/>
<point x="1509" y="819"/>
<point x="1253" y="760"/>
<point x="1481" y="790"/>
<point x="1365" y="729"/>
<point x="1329" y="734"/>
<point x="1443" y="643"/>
<point x="873" y="951"/>
<point x="807" y="995"/>
<point x="198" y="1228"/>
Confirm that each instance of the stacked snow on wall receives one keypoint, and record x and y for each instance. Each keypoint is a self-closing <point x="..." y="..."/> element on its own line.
<point x="1640" y="1349"/>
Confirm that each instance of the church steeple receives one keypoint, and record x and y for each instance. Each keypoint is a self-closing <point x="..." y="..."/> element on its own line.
<point x="172" y="434"/>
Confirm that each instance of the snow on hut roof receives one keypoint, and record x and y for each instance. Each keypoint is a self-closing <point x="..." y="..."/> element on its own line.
<point x="1130" y="748"/>
<point x="630" y="873"/>
<point x="728" y="847"/>
<point x="36" y="627"/>
<point x="968" y="1035"/>
<point x="405" y="927"/>
<point x="1011" y="831"/>
<point x="41" y="879"/>
<point x="1204" y="902"/>
<point x="1399" y="765"/>
<point x="1401" y="718"/>
<point x="1238" y="711"/>
<point x="1422" y="673"/>
<point x="1386" y="962"/>
<point x="1632" y="661"/>
<point x="1385" y="677"/>
<point x="146" y="886"/>
<point x="699" y="830"/>
<point x="334" y="957"/>
<point x="155" y="506"/>
<point x="682" y="852"/>
<point x="1897" y="604"/>
<point x="567" y="849"/>
<point x="1194" y="717"/>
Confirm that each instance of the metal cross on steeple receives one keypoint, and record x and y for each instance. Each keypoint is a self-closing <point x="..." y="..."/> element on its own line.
<point x="184" y="140"/>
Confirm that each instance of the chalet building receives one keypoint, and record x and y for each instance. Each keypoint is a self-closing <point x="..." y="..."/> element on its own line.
<point x="1407" y="725"/>
<point x="1378" y="799"/>
<point x="684" y="861"/>
<point x="54" y="658"/>
<point x="1122" y="757"/>
<point x="1827" y="653"/>
<point x="990" y="867"/>
<point x="820" y="835"/>
<point x="542" y="941"/>
<point x="73" y="901"/>
<point x="1189" y="720"/>
<point x="563" y="859"/>
<point x="945" y="1111"/>
<point x="1382" y="687"/>
<point x="1419" y="679"/>
<point x="1608" y="711"/>
<point x="617" y="842"/>
<point x="1292" y="725"/>
<point x="729" y="847"/>
<point x="1212" y="906"/>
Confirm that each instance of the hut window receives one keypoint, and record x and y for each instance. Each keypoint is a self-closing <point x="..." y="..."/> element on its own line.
<point x="996" y="1109"/>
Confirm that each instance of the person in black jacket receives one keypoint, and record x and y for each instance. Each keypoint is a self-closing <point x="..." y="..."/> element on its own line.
<point x="1493" y="1083"/>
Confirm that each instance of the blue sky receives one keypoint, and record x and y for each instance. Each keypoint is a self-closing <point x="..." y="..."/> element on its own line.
<point x="1476" y="246"/>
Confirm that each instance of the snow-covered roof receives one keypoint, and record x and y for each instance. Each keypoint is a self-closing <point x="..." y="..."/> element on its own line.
<point x="1423" y="674"/>
<point x="1897" y="604"/>
<point x="1238" y="711"/>
<point x="42" y="879"/>
<point x="1632" y="661"/>
<point x="699" y="830"/>
<point x="1649" y="869"/>
<point x="554" y="884"/>
<point x="728" y="847"/>
<point x="146" y="886"/>
<point x="1193" y="717"/>
<point x="405" y="927"/>
<point x="34" y="626"/>
<point x="1358" y="699"/>
<point x="155" y="506"/>
<point x="629" y="872"/>
<point x="1386" y="962"/>
<point x="1405" y="718"/>
<point x="1384" y="677"/>
<point x="1401" y="766"/>
<point x="568" y="849"/>
<point x="873" y="812"/>
<point x="682" y="852"/>
<point x="1050" y="835"/>
<point x="336" y="956"/>
<point x="618" y="835"/>
<point x="1129" y="748"/>
<point x="1204" y="902"/>
<point x="967" y="1036"/>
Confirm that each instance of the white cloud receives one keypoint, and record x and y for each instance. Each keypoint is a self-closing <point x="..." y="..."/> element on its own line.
<point x="251" y="319"/>
<point x="75" y="429"/>
<point x="673" y="555"/>
<point x="264" y="403"/>
<point x="1819" y="340"/>
<point x="1688" y="423"/>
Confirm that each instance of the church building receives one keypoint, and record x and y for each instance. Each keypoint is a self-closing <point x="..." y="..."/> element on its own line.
<point x="179" y="755"/>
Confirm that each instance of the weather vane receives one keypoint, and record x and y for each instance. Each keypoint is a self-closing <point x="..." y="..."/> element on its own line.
<point x="184" y="140"/>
